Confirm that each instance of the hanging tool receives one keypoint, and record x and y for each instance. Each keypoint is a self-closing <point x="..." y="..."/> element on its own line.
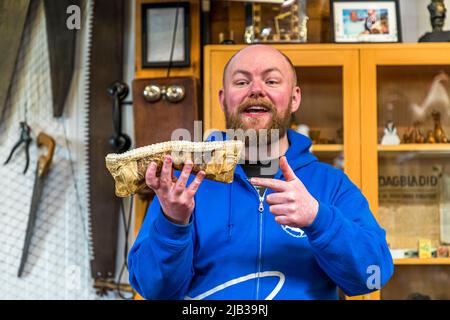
<point x="25" y="137"/>
<point x="61" y="43"/>
<point x="13" y="14"/>
<point x="42" y="168"/>
<point x="105" y="66"/>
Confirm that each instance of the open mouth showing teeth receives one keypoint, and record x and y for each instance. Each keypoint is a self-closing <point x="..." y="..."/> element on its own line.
<point x="256" y="109"/>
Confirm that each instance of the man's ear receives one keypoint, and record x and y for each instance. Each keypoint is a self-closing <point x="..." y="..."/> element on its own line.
<point x="296" y="98"/>
<point x="222" y="99"/>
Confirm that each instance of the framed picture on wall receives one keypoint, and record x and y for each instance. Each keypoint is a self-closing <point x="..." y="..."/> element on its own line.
<point x="165" y="34"/>
<point x="354" y="21"/>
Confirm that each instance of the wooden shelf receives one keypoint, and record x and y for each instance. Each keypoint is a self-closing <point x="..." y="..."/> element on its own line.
<point x="415" y="147"/>
<point x="418" y="261"/>
<point x="327" y="147"/>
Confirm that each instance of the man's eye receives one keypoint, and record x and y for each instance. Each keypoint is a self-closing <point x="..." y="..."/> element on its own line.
<point x="241" y="83"/>
<point x="272" y="82"/>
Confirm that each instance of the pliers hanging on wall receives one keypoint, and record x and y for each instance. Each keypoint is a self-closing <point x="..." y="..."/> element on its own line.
<point x="25" y="137"/>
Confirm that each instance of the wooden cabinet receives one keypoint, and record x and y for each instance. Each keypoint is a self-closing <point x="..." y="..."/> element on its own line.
<point x="407" y="184"/>
<point x="328" y="77"/>
<point x="349" y="93"/>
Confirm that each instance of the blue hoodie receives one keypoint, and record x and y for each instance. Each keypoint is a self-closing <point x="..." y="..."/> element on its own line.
<point x="232" y="250"/>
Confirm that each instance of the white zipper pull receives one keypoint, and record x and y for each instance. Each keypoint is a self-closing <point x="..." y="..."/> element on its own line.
<point x="261" y="205"/>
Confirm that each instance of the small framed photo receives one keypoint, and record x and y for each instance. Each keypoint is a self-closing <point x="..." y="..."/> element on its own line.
<point x="276" y="21"/>
<point x="158" y="31"/>
<point x="354" y="21"/>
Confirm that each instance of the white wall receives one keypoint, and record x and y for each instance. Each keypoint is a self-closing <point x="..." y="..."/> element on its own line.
<point x="58" y="262"/>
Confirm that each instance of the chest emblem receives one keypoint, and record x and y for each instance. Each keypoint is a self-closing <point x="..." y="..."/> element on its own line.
<point x="294" y="232"/>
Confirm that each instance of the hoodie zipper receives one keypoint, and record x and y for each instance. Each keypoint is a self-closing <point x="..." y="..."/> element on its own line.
<point x="261" y="219"/>
<point x="261" y="216"/>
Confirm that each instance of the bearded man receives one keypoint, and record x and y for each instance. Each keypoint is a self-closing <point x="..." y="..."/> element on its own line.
<point x="300" y="231"/>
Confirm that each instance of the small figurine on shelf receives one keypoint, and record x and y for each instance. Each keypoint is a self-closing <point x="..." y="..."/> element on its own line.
<point x="390" y="136"/>
<point x="430" y="137"/>
<point x="442" y="252"/>
<point x="249" y="35"/>
<point x="419" y="138"/>
<point x="437" y="18"/>
<point x="315" y="136"/>
<point x="439" y="134"/>
<point x="407" y="136"/>
<point x="303" y="129"/>
<point x="414" y="135"/>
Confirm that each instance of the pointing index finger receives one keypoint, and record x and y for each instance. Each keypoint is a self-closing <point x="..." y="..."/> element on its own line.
<point x="274" y="184"/>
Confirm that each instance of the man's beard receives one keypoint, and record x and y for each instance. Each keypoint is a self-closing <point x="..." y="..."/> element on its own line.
<point x="271" y="133"/>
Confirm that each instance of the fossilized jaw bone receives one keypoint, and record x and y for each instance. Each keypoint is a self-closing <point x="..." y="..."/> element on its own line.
<point x="218" y="159"/>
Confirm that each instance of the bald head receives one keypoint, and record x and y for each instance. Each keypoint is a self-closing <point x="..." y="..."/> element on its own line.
<point x="257" y="51"/>
<point x="259" y="91"/>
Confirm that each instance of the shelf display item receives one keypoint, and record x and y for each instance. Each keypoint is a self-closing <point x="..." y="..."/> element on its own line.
<point x="439" y="134"/>
<point x="303" y="129"/>
<point x="414" y="135"/>
<point x="438" y="13"/>
<point x="314" y="136"/>
<point x="286" y="22"/>
<point x="436" y="98"/>
<point x="390" y="135"/>
<point x="424" y="248"/>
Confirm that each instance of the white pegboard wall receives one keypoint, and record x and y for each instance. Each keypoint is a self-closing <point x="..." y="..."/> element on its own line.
<point x="58" y="262"/>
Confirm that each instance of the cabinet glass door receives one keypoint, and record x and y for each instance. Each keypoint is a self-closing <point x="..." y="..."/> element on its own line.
<point x="328" y="76"/>
<point x="321" y="113"/>
<point x="329" y="110"/>
<point x="410" y="154"/>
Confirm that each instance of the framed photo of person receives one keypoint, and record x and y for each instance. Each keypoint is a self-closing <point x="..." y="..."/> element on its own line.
<point x="165" y="33"/>
<point x="355" y="21"/>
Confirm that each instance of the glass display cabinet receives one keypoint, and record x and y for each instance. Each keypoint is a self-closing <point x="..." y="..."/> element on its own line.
<point x="329" y="110"/>
<point x="382" y="113"/>
<point x="405" y="110"/>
